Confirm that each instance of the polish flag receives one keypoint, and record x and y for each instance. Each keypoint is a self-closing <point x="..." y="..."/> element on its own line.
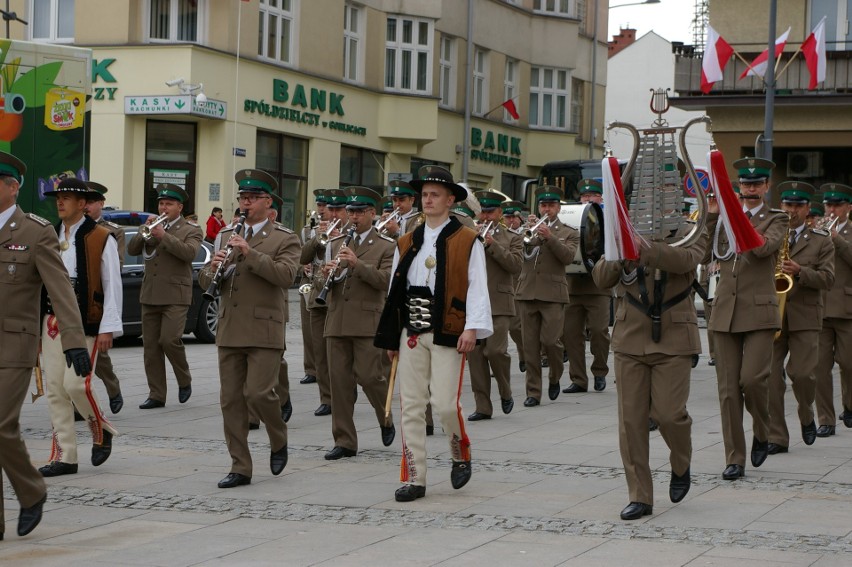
<point x="758" y="66"/>
<point x="620" y="236"/>
<point x="510" y="107"/>
<point x="717" y="53"/>
<point x="814" y="50"/>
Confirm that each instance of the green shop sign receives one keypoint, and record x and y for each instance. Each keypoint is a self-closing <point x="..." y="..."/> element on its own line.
<point x="311" y="107"/>
<point x="487" y="150"/>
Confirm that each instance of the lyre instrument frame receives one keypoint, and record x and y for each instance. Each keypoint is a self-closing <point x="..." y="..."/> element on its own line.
<point x="145" y="229"/>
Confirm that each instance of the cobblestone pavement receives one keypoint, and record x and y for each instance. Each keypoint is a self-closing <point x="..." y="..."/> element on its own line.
<point x="547" y="488"/>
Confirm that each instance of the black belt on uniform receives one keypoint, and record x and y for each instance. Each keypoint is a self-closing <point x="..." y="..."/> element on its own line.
<point x="49" y="306"/>
<point x="655" y="310"/>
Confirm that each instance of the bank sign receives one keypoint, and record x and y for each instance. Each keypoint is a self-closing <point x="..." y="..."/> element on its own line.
<point x="303" y="105"/>
<point x="175" y="104"/>
<point x="500" y="149"/>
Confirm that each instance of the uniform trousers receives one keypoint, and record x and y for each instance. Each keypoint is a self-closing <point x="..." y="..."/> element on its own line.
<point x="282" y="388"/>
<point x="586" y="312"/>
<point x="515" y="331"/>
<point x="354" y="362"/>
<point x="308" y="353"/>
<point x="743" y="379"/>
<point x="65" y="391"/>
<point x="429" y="372"/>
<point x="655" y="386"/>
<point x="801" y="365"/>
<point x="488" y="357"/>
<point x="543" y="323"/>
<point x="104" y="371"/>
<point x="248" y="375"/>
<point x="317" y="342"/>
<point x="835" y="345"/>
<point x="162" y="329"/>
<point x="708" y="310"/>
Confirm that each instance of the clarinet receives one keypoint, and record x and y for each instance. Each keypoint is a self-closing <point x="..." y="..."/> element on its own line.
<point x="218" y="275"/>
<point x="321" y="296"/>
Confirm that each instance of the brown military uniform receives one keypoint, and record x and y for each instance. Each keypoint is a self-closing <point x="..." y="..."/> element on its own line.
<point x="588" y="308"/>
<point x="165" y="298"/>
<point x="103" y="367"/>
<point x="309" y="364"/>
<point x="317" y="314"/>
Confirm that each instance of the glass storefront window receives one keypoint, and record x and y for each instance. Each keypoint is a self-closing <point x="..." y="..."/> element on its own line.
<point x="362" y="167"/>
<point x="170" y="158"/>
<point x="286" y="159"/>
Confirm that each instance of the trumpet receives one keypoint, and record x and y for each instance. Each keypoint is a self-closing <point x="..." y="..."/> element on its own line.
<point x="827" y="223"/>
<point x="219" y="274"/>
<point x="313" y="220"/>
<point x="324" y="237"/>
<point x="485" y="230"/>
<point x="145" y="229"/>
<point x="394" y="216"/>
<point x="530" y="233"/>
<point x="321" y="296"/>
<point x="305" y="289"/>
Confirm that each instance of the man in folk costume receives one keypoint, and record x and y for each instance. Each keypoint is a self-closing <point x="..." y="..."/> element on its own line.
<point x="90" y="255"/>
<point x="436" y="310"/>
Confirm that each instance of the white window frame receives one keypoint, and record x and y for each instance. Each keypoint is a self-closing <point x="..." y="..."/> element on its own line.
<point x="266" y="12"/>
<point x="53" y="24"/>
<point x="414" y="49"/>
<point x="447" y="78"/>
<point x="510" y="87"/>
<point x="560" y="8"/>
<point x="480" y="82"/>
<point x="200" y="33"/>
<point x="539" y="94"/>
<point x="353" y="12"/>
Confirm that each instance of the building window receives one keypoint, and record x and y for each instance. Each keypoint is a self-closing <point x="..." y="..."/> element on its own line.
<point x="448" y="77"/>
<point x="170" y="150"/>
<point x="548" y="98"/>
<point x="577" y="106"/>
<point x="362" y="167"/>
<point x="513" y="186"/>
<point x="176" y="20"/>
<point x="277" y="30"/>
<point x="286" y="159"/>
<point x="480" y="82"/>
<point x="510" y="87"/>
<point x="352" y="43"/>
<point x="52" y="20"/>
<point x="408" y="55"/>
<point x="568" y="8"/>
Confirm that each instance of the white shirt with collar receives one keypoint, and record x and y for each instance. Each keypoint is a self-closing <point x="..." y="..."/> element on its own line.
<point x="754" y="210"/>
<point x="6" y="215"/>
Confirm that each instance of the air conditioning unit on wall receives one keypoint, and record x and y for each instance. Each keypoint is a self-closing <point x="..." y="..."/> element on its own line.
<point x="804" y="164"/>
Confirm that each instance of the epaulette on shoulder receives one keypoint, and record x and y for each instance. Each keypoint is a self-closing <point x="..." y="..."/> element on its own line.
<point x="820" y="231"/>
<point x="111" y="224"/>
<point x="386" y="237"/>
<point x="40" y="220"/>
<point x="282" y="228"/>
<point x="193" y="223"/>
<point x="777" y="211"/>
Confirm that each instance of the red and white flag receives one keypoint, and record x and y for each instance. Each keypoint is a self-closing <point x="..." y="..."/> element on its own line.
<point x="510" y="107"/>
<point x="813" y="49"/>
<point x="741" y="234"/>
<point x="620" y="237"/>
<point x="717" y="53"/>
<point x="758" y="66"/>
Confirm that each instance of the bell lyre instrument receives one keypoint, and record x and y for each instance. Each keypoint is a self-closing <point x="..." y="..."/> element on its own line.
<point x="323" y="294"/>
<point x="219" y="274"/>
<point x="145" y="229"/>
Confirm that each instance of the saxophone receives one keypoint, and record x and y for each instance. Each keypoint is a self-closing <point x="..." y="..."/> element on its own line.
<point x="783" y="282"/>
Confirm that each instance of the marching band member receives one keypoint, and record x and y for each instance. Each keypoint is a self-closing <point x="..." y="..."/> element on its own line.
<point x="512" y="218"/>
<point x="309" y="231"/>
<point x="402" y="195"/>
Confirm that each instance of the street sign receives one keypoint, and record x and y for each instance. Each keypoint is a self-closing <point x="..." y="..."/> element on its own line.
<point x="216" y="109"/>
<point x="703" y="180"/>
<point x="175" y="104"/>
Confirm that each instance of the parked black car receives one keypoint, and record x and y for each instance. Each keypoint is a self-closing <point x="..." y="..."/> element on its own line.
<point x="203" y="315"/>
<point x="126" y="218"/>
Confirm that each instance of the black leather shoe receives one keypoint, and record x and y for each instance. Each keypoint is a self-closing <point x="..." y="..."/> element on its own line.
<point x="809" y="433"/>
<point x="553" y="391"/>
<point x="100" y="453"/>
<point x="477" y="416"/>
<point x="116" y="403"/>
<point x="77" y="416"/>
<point x="544" y="362"/>
<point x="287" y="411"/>
<point x="531" y="402"/>
<point x="234" y="479"/>
<point x="694" y="360"/>
<point x="846" y="417"/>
<point x="711" y="362"/>
<point x="775" y="448"/>
<point x="507" y="405"/>
<point x="29" y="518"/>
<point x="388" y="434"/>
<point x="253" y="426"/>
<point x="652" y="425"/>
<point x="409" y="492"/>
<point x="460" y="474"/>
<point x="759" y="452"/>
<point x="522" y="366"/>
<point x="150" y="404"/>
<point x="564" y="356"/>
<point x="825" y="431"/>
<point x="574" y="389"/>
<point x="58" y="468"/>
<point x="636" y="510"/>
<point x="278" y="460"/>
<point x="339" y="453"/>
<point x="733" y="472"/>
<point x="323" y="409"/>
<point x="600" y="383"/>
<point x="679" y="486"/>
<point x="430" y="430"/>
<point x="184" y="394"/>
<point x="308" y="379"/>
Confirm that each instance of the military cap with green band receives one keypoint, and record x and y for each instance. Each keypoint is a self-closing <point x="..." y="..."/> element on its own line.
<point x="97" y="191"/>
<point x="796" y="191"/>
<point x="319" y="196"/>
<point x="358" y="198"/>
<point x="548" y="194"/>
<point x="336" y="198"/>
<point x="817" y="210"/>
<point x="400" y="188"/>
<point x="489" y="199"/>
<point x="387" y="203"/>
<point x="462" y="208"/>
<point x="589" y="186"/>
<point x="257" y="181"/>
<point x="12" y="167"/>
<point x="754" y="169"/>
<point x="171" y="191"/>
<point x="512" y="207"/>
<point x="834" y="193"/>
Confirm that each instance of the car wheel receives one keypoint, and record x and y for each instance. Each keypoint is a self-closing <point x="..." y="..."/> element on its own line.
<point x="208" y="321"/>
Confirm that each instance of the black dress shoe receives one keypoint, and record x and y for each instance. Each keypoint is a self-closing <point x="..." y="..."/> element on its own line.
<point x="100" y="453"/>
<point x="253" y="426"/>
<point x="323" y="409"/>
<point x="29" y="518"/>
<point x="759" y="452"/>
<point x="574" y="389"/>
<point x="652" y="425"/>
<point x="775" y="448"/>
<point x="339" y="453"/>
<point x="636" y="510"/>
<point x="507" y="405"/>
<point x="477" y="416"/>
<point x="522" y="366"/>
<point x="460" y="474"/>
<point x="150" y="404"/>
<point x="679" y="486"/>
<point x="544" y="362"/>
<point x="825" y="431"/>
<point x="116" y="403"/>
<point x="733" y="472"/>
<point x="564" y="356"/>
<point x="694" y="360"/>
<point x="278" y="460"/>
<point x="234" y="479"/>
<point x="287" y="411"/>
<point x="711" y="362"/>
<point x="77" y="416"/>
<point x="846" y="417"/>
<point x="553" y="391"/>
<point x="430" y="430"/>
<point x="388" y="434"/>
<point x="409" y="492"/>
<point x="58" y="468"/>
<point x="531" y="402"/>
<point x="308" y="379"/>
<point x="184" y="394"/>
<point x="809" y="433"/>
<point x="600" y="383"/>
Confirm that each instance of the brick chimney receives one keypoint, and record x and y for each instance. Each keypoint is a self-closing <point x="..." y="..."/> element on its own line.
<point x="625" y="37"/>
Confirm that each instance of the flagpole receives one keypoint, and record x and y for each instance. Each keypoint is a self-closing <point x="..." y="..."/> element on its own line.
<point x="500" y="105"/>
<point x="799" y="50"/>
<point x="468" y="94"/>
<point x="769" y="111"/>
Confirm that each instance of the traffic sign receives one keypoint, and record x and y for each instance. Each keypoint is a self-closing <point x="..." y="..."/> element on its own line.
<point x="703" y="180"/>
